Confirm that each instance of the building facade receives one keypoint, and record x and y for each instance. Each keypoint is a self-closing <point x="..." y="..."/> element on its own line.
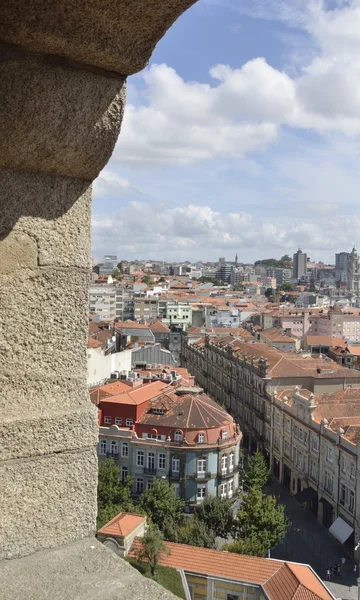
<point x="299" y="264"/>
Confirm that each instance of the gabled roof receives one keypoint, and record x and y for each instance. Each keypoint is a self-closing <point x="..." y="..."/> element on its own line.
<point x="139" y="395"/>
<point x="281" y="580"/>
<point x="159" y="327"/>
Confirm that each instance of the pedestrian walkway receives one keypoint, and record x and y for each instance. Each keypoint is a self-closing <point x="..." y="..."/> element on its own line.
<point x="310" y="542"/>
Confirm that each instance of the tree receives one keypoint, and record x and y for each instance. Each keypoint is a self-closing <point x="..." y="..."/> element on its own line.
<point x="216" y="514"/>
<point x="287" y="286"/>
<point x="252" y="546"/>
<point x="116" y="272"/>
<point x="111" y="492"/>
<point x="193" y="532"/>
<point x="285" y="259"/>
<point x="147" y="279"/>
<point x="161" y="504"/>
<point x="238" y="287"/>
<point x="256" y="472"/>
<point x="261" y="517"/>
<point x="269" y="292"/>
<point x="152" y="549"/>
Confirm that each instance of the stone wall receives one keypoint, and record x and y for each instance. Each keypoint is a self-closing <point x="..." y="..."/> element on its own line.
<point x="63" y="69"/>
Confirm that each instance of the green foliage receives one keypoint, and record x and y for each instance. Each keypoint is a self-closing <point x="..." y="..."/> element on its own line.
<point x="288" y="287"/>
<point x="261" y="517"/>
<point x="147" y="279"/>
<point x="161" y="504"/>
<point x="168" y="577"/>
<point x="216" y="514"/>
<point x="193" y="532"/>
<point x="283" y="263"/>
<point x="286" y="259"/>
<point x="239" y="287"/>
<point x="269" y="292"/>
<point x="212" y="280"/>
<point x="152" y="549"/>
<point x="256" y="473"/>
<point x="252" y="546"/>
<point x="116" y="272"/>
<point x="111" y="492"/>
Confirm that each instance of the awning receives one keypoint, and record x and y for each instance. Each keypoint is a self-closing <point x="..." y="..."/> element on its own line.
<point x="306" y="495"/>
<point x="341" y="530"/>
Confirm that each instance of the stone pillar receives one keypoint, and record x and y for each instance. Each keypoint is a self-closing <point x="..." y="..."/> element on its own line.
<point x="62" y="90"/>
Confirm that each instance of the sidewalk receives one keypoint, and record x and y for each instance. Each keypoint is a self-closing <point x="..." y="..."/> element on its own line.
<point x="310" y="542"/>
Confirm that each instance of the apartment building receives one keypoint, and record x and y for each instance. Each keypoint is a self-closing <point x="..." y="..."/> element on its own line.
<point x="278" y="338"/>
<point x="169" y="429"/>
<point x="293" y="409"/>
<point x="107" y="301"/>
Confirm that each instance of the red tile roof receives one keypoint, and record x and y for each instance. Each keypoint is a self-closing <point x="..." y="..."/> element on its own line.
<point x="281" y="580"/>
<point x="139" y="395"/>
<point x="122" y="524"/>
<point x="159" y="327"/>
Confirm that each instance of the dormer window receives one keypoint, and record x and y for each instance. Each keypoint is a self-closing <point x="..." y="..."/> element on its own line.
<point x="201" y="438"/>
<point x="178" y="435"/>
<point x="224" y="434"/>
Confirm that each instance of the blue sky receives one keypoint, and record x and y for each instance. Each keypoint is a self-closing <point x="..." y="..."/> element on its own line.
<point x="242" y="135"/>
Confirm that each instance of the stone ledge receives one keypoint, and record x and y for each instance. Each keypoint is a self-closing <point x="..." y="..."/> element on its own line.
<point x="84" y="570"/>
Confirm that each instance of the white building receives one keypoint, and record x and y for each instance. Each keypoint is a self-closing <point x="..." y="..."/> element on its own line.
<point x="101" y="365"/>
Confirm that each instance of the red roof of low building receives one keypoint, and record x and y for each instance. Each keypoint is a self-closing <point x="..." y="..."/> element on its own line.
<point x="281" y="580"/>
<point x="121" y="525"/>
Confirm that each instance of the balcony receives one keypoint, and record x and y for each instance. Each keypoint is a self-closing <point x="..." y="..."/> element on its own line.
<point x="149" y="471"/>
<point x="226" y="473"/>
<point x="201" y="476"/>
<point x="114" y="455"/>
<point x="174" y="474"/>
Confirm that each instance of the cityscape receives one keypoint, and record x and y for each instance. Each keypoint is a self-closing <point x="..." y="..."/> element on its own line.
<point x="196" y="369"/>
<point x="180" y="300"/>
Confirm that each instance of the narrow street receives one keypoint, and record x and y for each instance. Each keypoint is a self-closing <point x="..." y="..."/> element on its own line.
<point x="310" y="542"/>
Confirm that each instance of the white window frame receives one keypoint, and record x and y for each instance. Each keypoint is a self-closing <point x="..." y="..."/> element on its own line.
<point x="107" y="420"/>
<point x="201" y="438"/>
<point x="151" y="460"/>
<point x="175" y="460"/>
<point x="124" y="470"/>
<point x="178" y="436"/>
<point x="140" y="458"/>
<point x="201" y="465"/>
<point x="224" y="434"/>
<point x="315" y="444"/>
<point x="277" y="417"/>
<point x="231" y="462"/>
<point x="329" y="454"/>
<point x="114" y="449"/>
<point x="118" y="421"/>
<point x="230" y="488"/>
<point x="138" y="485"/>
<point x="352" y="471"/>
<point x="162" y="461"/>
<point x="102" y="448"/>
<point x="224" y="464"/>
<point x="129" y="422"/>
<point x="125" y="449"/>
<point x="201" y="487"/>
<point x="223" y="490"/>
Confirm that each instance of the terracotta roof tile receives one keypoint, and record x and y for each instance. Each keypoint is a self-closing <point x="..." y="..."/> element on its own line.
<point x="122" y="524"/>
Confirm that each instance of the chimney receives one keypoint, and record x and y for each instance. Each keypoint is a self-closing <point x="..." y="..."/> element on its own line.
<point x="191" y="380"/>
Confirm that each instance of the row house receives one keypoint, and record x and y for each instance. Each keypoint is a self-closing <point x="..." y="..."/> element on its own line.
<point x="172" y="431"/>
<point x="256" y="384"/>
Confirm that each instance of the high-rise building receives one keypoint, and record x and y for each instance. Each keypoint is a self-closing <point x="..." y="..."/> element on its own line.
<point x="236" y="260"/>
<point x="109" y="264"/>
<point x="299" y="264"/>
<point x="224" y="272"/>
<point x="353" y="273"/>
<point x="341" y="266"/>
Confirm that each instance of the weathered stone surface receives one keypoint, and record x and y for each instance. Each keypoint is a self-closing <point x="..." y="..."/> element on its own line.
<point x="17" y="251"/>
<point x="47" y="501"/>
<point x="25" y="435"/>
<point x="50" y="305"/>
<point x="84" y="570"/>
<point x="56" y="119"/>
<point x="53" y="211"/>
<point x="118" y="36"/>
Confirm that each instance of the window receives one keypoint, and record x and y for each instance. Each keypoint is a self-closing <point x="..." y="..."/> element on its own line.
<point x="232" y="597"/>
<point x="343" y="464"/>
<point x="161" y="461"/>
<point x="200" y="492"/>
<point x="124" y="473"/>
<point x="288" y="425"/>
<point x="103" y="447"/>
<point x="351" y="501"/>
<point x="224" y="463"/>
<point x="343" y="494"/>
<point x="315" y="444"/>
<point x="231" y="462"/>
<point x="149" y="483"/>
<point x="178" y="435"/>
<point x="118" y="421"/>
<point x="328" y="482"/>
<point x="313" y="470"/>
<point x="223" y="490"/>
<point x="267" y="433"/>
<point x="140" y="458"/>
<point x="352" y="471"/>
<point x="124" y="449"/>
<point x="276" y="439"/>
<point x="268" y="411"/>
<point x="287" y="448"/>
<point x="107" y="420"/>
<point x="151" y="461"/>
<point x="224" y="434"/>
<point x="176" y="488"/>
<point x="329" y="454"/>
<point x="139" y="485"/>
<point x="114" y="448"/>
<point x="129" y="422"/>
<point x="201" y="467"/>
<point x="277" y="417"/>
<point x="175" y="464"/>
<point x="201" y="438"/>
<point x="230" y="488"/>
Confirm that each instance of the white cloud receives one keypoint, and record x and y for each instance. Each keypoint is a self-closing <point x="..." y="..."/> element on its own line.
<point x="109" y="183"/>
<point x="193" y="232"/>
